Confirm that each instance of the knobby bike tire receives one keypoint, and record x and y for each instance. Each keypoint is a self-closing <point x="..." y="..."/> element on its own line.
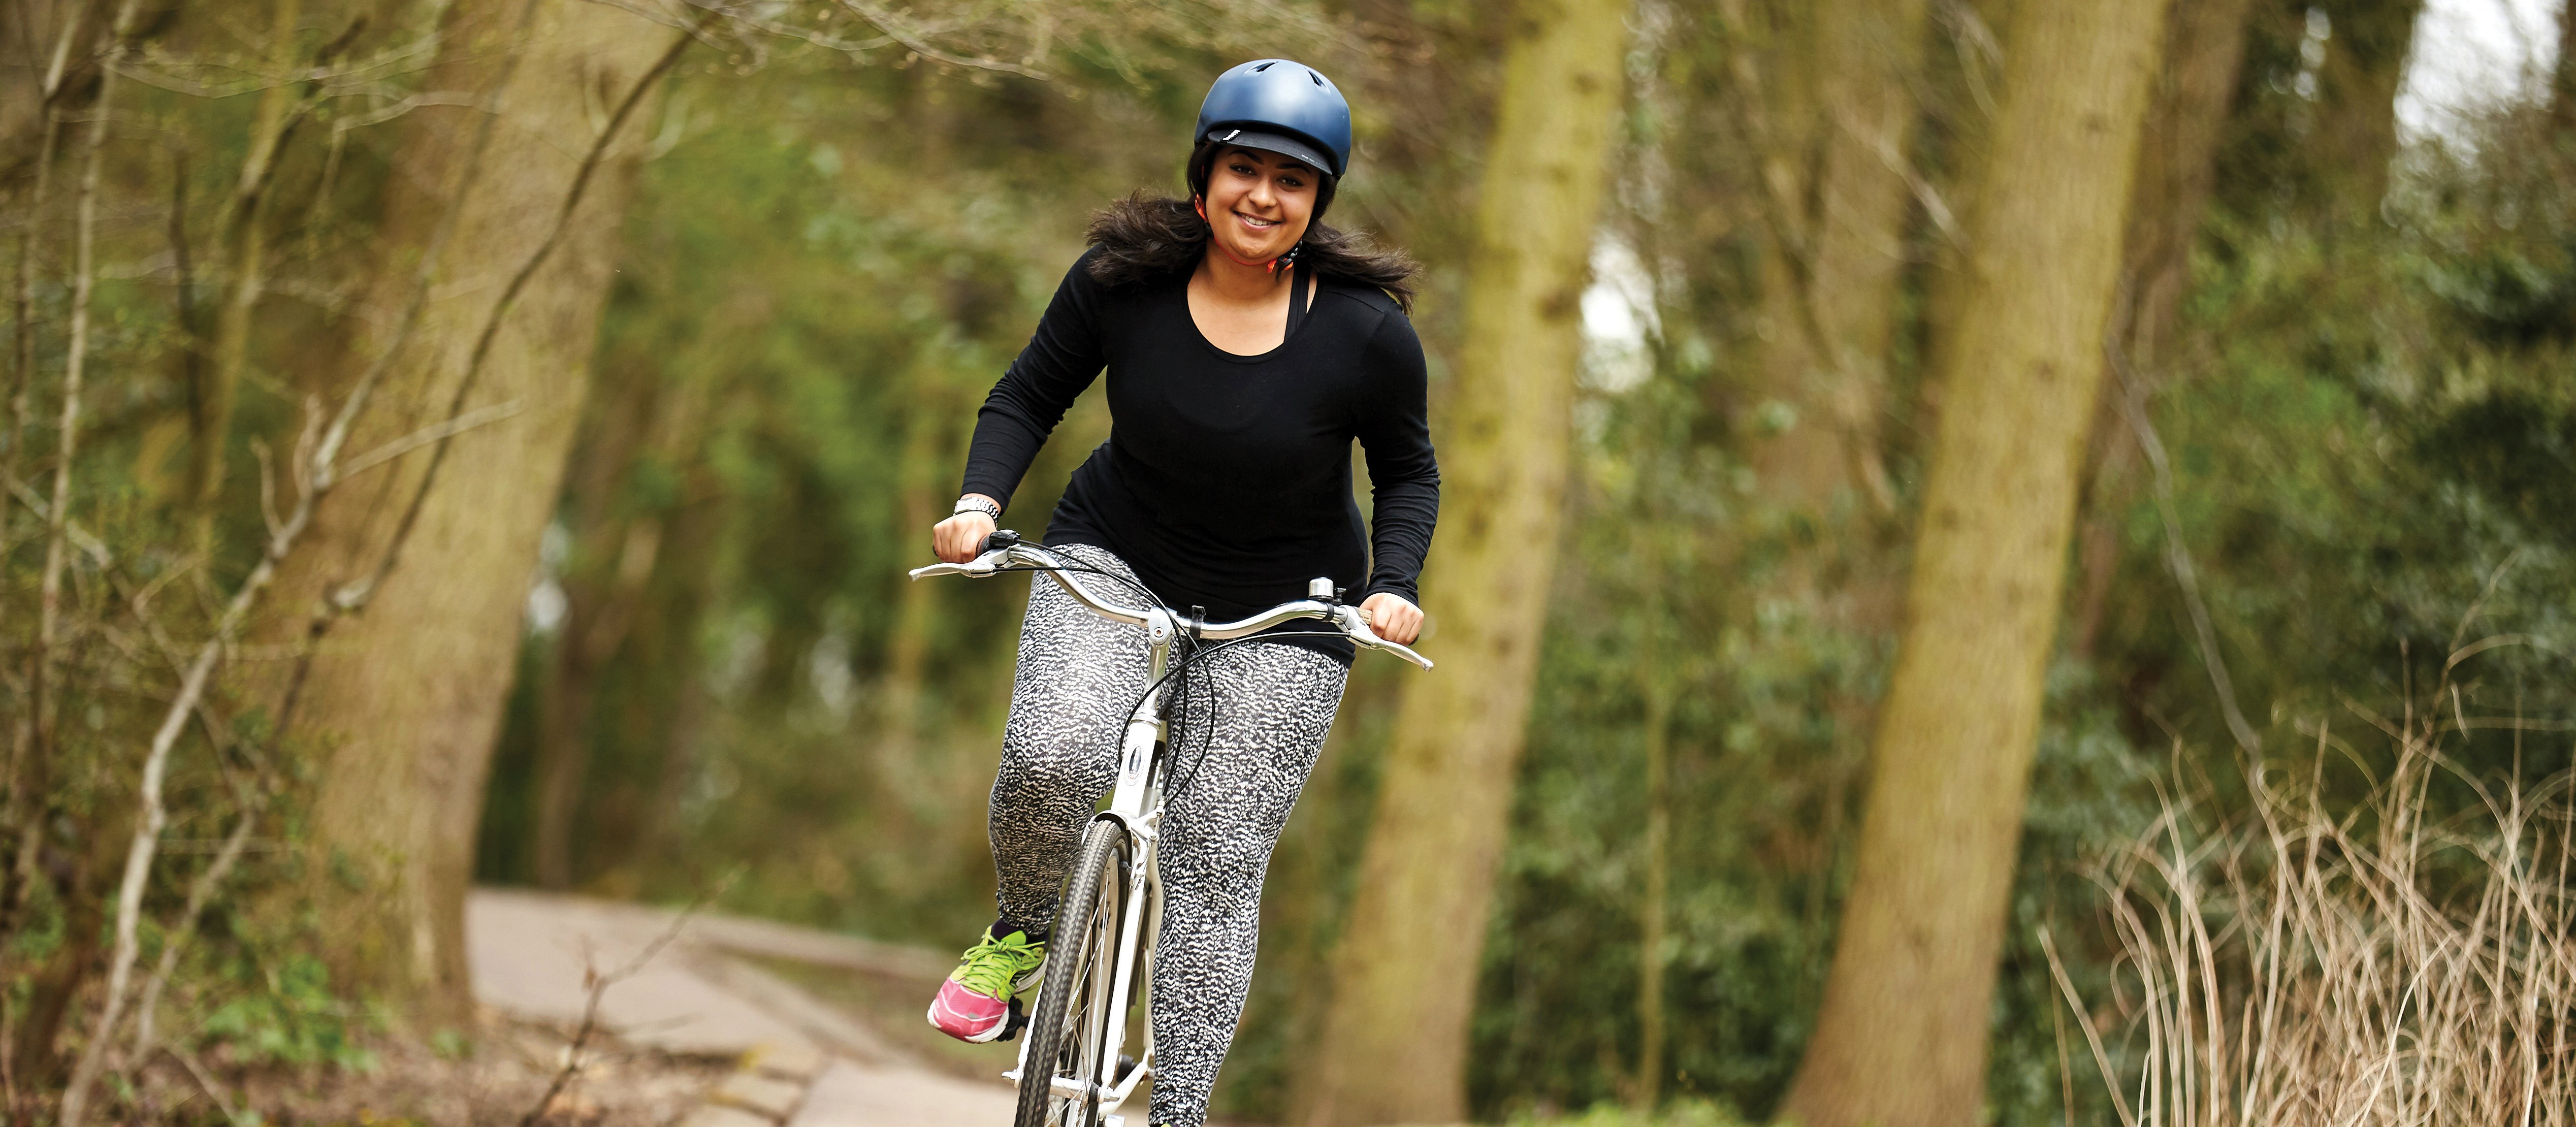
<point x="1103" y="860"/>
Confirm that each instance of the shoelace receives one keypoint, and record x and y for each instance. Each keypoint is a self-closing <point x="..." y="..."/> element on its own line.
<point x="992" y="965"/>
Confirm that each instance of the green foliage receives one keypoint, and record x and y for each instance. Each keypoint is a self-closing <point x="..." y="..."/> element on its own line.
<point x="2516" y="453"/>
<point x="450" y="1045"/>
<point x="2367" y="474"/>
<point x="287" y="1014"/>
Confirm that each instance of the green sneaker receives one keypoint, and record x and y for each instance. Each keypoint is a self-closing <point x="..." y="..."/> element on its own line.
<point x="980" y="1002"/>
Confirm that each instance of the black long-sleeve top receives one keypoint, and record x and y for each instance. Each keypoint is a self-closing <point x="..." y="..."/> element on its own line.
<point x="1226" y="480"/>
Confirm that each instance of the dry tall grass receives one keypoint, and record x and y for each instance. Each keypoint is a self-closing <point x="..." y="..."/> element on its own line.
<point x="2371" y="965"/>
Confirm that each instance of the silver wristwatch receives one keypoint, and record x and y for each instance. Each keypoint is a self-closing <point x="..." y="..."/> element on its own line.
<point x="982" y="505"/>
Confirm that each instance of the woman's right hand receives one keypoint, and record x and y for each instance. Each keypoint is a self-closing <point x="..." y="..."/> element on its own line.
<point x="960" y="537"/>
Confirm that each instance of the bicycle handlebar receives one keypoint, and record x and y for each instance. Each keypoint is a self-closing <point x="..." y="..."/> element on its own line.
<point x="1351" y="620"/>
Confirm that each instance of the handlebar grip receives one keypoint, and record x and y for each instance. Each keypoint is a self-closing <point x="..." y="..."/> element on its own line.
<point x="999" y="538"/>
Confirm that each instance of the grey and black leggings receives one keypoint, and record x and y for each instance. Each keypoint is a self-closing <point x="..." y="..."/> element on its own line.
<point x="1271" y="706"/>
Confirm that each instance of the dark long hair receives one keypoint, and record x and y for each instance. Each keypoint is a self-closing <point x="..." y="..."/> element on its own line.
<point x="1149" y="238"/>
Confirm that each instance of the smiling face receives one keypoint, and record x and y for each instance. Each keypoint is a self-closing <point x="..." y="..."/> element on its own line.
<point x="1259" y="203"/>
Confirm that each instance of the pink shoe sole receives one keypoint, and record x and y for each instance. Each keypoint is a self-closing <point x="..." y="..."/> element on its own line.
<point x="974" y="1018"/>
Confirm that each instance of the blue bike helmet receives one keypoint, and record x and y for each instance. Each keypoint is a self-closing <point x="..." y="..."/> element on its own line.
<point x="1283" y="107"/>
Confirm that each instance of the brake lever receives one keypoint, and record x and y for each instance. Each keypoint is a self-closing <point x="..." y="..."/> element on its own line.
<point x="1355" y="622"/>
<point x="997" y="546"/>
<point x="988" y="564"/>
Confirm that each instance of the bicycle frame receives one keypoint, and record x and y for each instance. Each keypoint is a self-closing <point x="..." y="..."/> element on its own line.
<point x="1136" y="802"/>
<point x="1136" y="807"/>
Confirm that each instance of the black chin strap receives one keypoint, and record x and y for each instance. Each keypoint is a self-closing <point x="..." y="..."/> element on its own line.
<point x="1296" y="299"/>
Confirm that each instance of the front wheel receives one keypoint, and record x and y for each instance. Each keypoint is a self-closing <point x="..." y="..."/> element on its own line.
<point x="1060" y="1078"/>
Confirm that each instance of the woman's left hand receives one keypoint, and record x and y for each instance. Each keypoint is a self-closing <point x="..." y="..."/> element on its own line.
<point x="1392" y="618"/>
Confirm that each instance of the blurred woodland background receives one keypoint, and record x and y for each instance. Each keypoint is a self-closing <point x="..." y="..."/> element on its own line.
<point x="481" y="441"/>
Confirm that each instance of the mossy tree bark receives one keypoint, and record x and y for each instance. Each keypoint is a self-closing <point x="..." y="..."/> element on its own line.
<point x="2177" y="167"/>
<point x="1903" y="1034"/>
<point x="1657" y="683"/>
<point x="420" y="571"/>
<point x="47" y="47"/>
<point x="1394" y="1038"/>
<point x="2313" y="124"/>
<point x="2562" y="98"/>
<point x="2365" y="61"/>
<point x="1838" y="113"/>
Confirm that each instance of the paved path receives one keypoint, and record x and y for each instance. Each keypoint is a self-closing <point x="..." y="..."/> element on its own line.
<point x="811" y="1064"/>
<point x="858" y="1095"/>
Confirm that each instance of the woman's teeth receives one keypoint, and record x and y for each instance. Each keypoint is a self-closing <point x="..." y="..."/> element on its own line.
<point x="1255" y="221"/>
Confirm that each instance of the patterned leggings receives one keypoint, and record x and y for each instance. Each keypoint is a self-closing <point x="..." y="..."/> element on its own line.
<point x="1271" y="706"/>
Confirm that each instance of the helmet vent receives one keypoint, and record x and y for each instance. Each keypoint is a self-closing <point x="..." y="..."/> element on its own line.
<point x="1265" y="66"/>
<point x="1319" y="79"/>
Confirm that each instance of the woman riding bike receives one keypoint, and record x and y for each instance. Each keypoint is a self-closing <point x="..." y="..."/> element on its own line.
<point x="1247" y="344"/>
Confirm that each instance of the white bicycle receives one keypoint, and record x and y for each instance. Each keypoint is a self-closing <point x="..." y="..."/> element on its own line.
<point x="1100" y="963"/>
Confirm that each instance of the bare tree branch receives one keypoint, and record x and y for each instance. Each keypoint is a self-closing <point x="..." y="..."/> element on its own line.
<point x="84" y="233"/>
<point x="892" y="32"/>
<point x="913" y="41"/>
<point x="15" y="880"/>
<point x="67" y="443"/>
<point x="439" y="432"/>
<point x="200" y="893"/>
<point x="197" y="1072"/>
<point x="598" y="985"/>
<point x="23" y="370"/>
<point x="63" y="52"/>
<point x="2133" y="393"/>
<point x="81" y="538"/>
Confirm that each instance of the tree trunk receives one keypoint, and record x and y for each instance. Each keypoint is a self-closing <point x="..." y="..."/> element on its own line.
<point x="633" y="586"/>
<point x="1655" y="682"/>
<point x="2562" y="96"/>
<point x="34" y="1063"/>
<point x="613" y="552"/>
<point x="632" y="814"/>
<point x="241" y="263"/>
<point x="48" y="48"/>
<point x="2177" y="166"/>
<point x="35" y="765"/>
<point x="904" y="789"/>
<point x="21" y="810"/>
<point x="1839" y="110"/>
<point x="1902" y="1037"/>
<point x="2357" y="98"/>
<point x="2567" y="63"/>
<point x="435" y="551"/>
<point x="1395" y="1036"/>
<point x="1840" y="115"/>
